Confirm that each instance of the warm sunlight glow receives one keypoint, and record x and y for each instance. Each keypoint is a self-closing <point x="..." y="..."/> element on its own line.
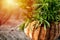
<point x="9" y="4"/>
<point x="13" y="4"/>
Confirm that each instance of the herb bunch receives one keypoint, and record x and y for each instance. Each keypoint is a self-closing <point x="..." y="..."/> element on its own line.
<point x="47" y="11"/>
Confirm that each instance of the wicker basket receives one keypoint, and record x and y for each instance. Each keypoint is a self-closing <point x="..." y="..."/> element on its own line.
<point x="41" y="34"/>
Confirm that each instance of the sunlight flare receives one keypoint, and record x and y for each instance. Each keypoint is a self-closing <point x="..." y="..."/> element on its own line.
<point x="9" y="4"/>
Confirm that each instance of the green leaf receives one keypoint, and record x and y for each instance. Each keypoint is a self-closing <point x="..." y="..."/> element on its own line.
<point x="45" y="26"/>
<point x="48" y="24"/>
<point x="27" y="22"/>
<point x="21" y="27"/>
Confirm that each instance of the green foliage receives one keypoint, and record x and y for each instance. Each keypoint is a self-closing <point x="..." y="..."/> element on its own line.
<point x="47" y="11"/>
<point x="24" y="24"/>
<point x="21" y="27"/>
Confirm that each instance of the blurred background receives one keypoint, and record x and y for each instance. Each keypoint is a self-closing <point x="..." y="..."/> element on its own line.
<point x="13" y="12"/>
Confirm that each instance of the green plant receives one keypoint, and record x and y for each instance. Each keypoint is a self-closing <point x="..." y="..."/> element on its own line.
<point x="46" y="11"/>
